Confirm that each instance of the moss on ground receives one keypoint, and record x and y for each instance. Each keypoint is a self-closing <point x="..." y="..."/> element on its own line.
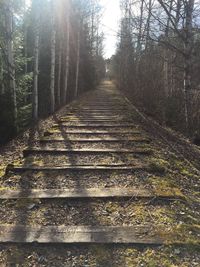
<point x="164" y="186"/>
<point x="150" y="257"/>
<point x="183" y="168"/>
<point x="183" y="234"/>
<point x="33" y="160"/>
<point x="2" y="170"/>
<point x="102" y="256"/>
<point x="158" y="165"/>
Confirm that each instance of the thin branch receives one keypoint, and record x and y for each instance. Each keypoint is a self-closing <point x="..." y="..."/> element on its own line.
<point x="170" y="16"/>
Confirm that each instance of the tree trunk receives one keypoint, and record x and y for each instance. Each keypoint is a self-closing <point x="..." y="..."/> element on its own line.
<point x="78" y="60"/>
<point x="36" y="67"/>
<point x="25" y="32"/>
<point x="67" y="57"/>
<point x="59" y="73"/>
<point x="2" y="88"/>
<point x="25" y="59"/>
<point x="25" y="51"/>
<point x="188" y="45"/>
<point x="53" y="59"/>
<point x="148" y="25"/>
<point x="139" y="39"/>
<point x="11" y="65"/>
<point x="174" y="53"/>
<point x="92" y="28"/>
<point x="166" y="55"/>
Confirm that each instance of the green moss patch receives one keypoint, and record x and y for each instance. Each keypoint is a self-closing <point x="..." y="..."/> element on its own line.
<point x="158" y="165"/>
<point x="183" y="234"/>
<point x="163" y="186"/>
<point x="2" y="170"/>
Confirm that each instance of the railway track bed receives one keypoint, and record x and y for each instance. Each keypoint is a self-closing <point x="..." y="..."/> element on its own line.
<point x="97" y="190"/>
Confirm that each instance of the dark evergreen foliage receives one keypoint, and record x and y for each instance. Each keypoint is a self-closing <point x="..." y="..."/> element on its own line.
<point x="26" y="19"/>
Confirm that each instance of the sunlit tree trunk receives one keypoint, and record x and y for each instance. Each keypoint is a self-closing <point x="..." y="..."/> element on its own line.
<point x="173" y="53"/>
<point x="92" y="26"/>
<point x="59" y="73"/>
<point x="53" y="59"/>
<point x="188" y="45"/>
<point x="25" y="31"/>
<point x="78" y="60"/>
<point x="36" y="63"/>
<point x="67" y="54"/>
<point x="10" y="57"/>
<point x="166" y="55"/>
<point x="25" y="50"/>
<point x="25" y="58"/>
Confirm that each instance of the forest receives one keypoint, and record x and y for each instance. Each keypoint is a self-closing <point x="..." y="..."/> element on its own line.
<point x="157" y="62"/>
<point x="45" y="47"/>
<point x="99" y="133"/>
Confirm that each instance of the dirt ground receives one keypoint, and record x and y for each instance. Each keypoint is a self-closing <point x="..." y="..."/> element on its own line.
<point x="173" y="164"/>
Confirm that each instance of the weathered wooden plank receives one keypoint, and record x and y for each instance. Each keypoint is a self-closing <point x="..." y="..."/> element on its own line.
<point x="137" y="234"/>
<point x="27" y="152"/>
<point x="95" y="116"/>
<point x="113" y="192"/>
<point x="91" y="118"/>
<point x="93" y="113"/>
<point x="103" y="109"/>
<point x="102" y="106"/>
<point x="97" y="140"/>
<point x="14" y="168"/>
<point x="95" y="121"/>
<point x="57" y="131"/>
<point x="63" y="125"/>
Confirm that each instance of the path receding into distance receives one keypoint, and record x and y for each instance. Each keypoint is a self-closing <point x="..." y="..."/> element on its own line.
<point x="97" y="177"/>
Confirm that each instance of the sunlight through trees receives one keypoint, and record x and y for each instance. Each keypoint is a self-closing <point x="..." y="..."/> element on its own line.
<point x="50" y="52"/>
